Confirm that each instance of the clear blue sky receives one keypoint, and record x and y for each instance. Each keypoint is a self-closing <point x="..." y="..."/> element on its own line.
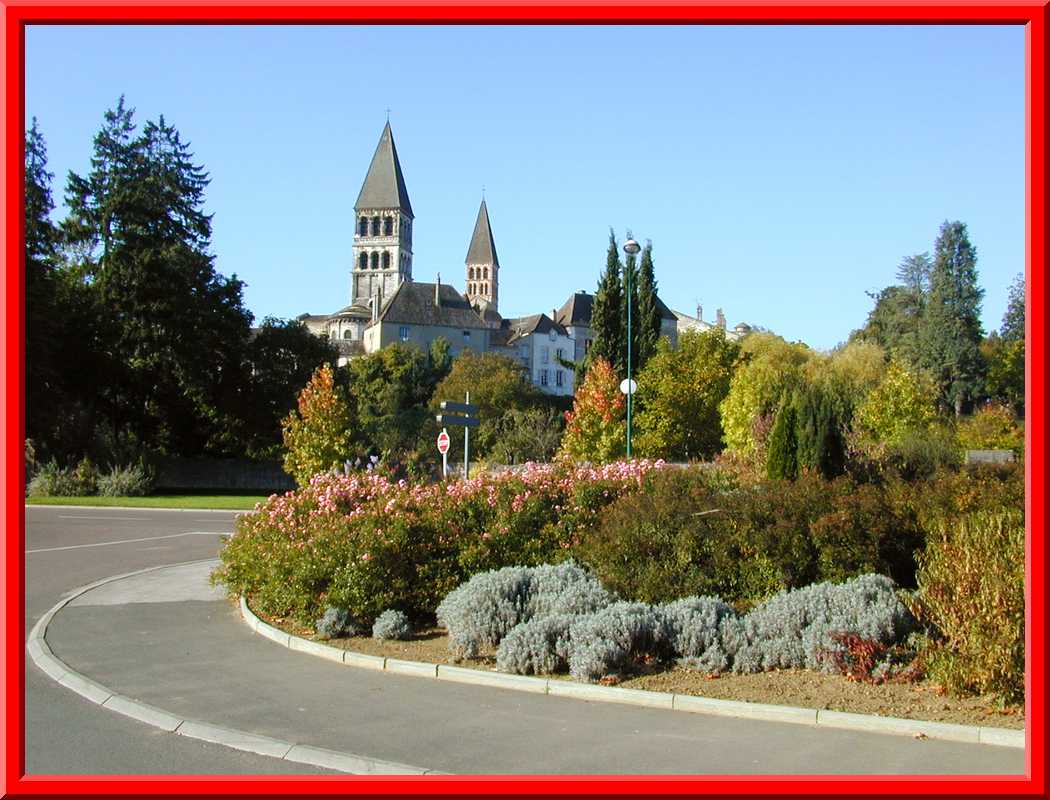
<point x="780" y="172"/>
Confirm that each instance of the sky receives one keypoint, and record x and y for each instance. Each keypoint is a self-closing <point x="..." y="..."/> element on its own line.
<point x="781" y="172"/>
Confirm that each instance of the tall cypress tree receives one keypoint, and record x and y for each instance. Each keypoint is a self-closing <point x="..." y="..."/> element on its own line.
<point x="648" y="313"/>
<point x="608" y="312"/>
<point x="630" y="279"/>
<point x="951" y="329"/>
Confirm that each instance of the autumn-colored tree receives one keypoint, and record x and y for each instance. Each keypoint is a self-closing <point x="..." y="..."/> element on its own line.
<point x="679" y="391"/>
<point x="992" y="427"/>
<point x="769" y="369"/>
<point x="595" y="429"/>
<point x="904" y="401"/>
<point x="317" y="436"/>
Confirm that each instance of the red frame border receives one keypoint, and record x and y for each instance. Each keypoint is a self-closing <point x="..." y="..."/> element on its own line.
<point x="17" y="13"/>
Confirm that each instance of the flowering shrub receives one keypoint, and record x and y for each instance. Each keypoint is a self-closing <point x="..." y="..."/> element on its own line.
<point x="391" y="624"/>
<point x="367" y="543"/>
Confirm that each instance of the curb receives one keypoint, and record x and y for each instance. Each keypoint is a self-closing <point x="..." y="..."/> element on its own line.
<point x="144" y="508"/>
<point x="841" y="720"/>
<point x="44" y="658"/>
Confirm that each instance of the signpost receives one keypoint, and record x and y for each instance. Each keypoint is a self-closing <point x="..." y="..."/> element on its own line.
<point x="443" y="443"/>
<point x="466" y="417"/>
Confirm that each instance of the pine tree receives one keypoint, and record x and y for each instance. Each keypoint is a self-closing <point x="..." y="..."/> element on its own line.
<point x="608" y="312"/>
<point x="951" y="329"/>
<point x="179" y="327"/>
<point x="648" y="323"/>
<point x="1013" y="320"/>
<point x="43" y="336"/>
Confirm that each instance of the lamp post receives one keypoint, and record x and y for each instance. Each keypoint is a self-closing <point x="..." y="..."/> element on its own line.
<point x="630" y="247"/>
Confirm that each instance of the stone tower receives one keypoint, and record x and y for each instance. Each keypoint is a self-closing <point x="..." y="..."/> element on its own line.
<point x="382" y="250"/>
<point x="482" y="264"/>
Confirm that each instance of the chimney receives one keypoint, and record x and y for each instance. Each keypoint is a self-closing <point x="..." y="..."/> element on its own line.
<point x="437" y="291"/>
<point x="720" y="319"/>
<point x="554" y="316"/>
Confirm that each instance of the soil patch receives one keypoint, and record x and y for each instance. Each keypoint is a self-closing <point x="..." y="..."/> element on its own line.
<point x="801" y="688"/>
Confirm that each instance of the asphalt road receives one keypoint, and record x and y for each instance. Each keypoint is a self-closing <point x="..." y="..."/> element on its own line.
<point x="196" y="658"/>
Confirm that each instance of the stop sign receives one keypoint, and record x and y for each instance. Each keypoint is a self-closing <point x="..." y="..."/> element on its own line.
<point x="443" y="442"/>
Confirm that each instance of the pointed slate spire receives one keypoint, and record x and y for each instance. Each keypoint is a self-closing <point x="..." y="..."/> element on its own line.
<point x="482" y="247"/>
<point x="384" y="186"/>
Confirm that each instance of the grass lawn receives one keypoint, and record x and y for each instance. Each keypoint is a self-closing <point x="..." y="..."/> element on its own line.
<point x="233" y="502"/>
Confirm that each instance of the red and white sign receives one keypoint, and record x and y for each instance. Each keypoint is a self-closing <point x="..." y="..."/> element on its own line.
<point x="443" y="442"/>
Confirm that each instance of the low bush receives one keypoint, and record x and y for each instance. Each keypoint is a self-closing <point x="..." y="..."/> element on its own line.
<point x="483" y="610"/>
<point x="992" y="427"/>
<point x="971" y="591"/>
<point x="335" y="622"/>
<point x="134" y="480"/>
<point x="689" y="533"/>
<point x="51" y="480"/>
<point x="391" y="624"/>
<point x="818" y="627"/>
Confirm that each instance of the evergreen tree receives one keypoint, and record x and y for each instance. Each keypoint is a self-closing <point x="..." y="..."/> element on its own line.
<point x="608" y="312"/>
<point x="914" y="274"/>
<point x="648" y="313"/>
<point x="782" y="459"/>
<point x="43" y="336"/>
<point x="177" y="330"/>
<point x="1013" y="319"/>
<point x="630" y="280"/>
<point x="951" y="329"/>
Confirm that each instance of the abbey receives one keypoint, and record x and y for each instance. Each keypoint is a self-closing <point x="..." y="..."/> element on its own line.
<point x="387" y="305"/>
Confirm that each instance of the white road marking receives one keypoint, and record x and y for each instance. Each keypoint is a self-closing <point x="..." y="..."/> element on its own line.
<point x="92" y="516"/>
<point x="129" y="541"/>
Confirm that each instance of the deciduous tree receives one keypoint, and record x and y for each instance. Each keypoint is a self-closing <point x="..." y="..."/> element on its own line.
<point x="317" y="435"/>
<point x="595" y="429"/>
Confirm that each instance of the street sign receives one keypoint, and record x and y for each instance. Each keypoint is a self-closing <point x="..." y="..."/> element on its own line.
<point x="467" y="422"/>
<point x="626" y="387"/>
<point x="443" y="442"/>
<point x="459" y="408"/>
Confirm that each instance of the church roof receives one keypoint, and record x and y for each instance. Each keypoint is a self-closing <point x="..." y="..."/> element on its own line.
<point x="482" y="248"/>
<point x="413" y="304"/>
<point x="384" y="185"/>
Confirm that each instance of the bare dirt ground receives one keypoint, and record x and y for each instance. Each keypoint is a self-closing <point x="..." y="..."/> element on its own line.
<point x="800" y="688"/>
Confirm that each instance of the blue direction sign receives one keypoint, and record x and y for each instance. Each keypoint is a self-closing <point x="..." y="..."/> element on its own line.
<point x="466" y="422"/>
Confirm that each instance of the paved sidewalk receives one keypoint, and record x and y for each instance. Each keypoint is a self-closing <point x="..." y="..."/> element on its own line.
<point x="169" y="640"/>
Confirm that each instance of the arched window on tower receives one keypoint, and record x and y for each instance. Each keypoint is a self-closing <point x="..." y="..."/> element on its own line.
<point x="348" y="334"/>
<point x="485" y="272"/>
<point x="486" y="289"/>
<point x="362" y="226"/>
<point x="388" y="226"/>
<point x="362" y="261"/>
<point x="375" y="226"/>
<point x="375" y="260"/>
<point x="386" y="260"/>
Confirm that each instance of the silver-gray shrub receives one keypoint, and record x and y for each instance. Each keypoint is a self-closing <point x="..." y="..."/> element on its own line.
<point x="794" y="628"/>
<point x="483" y="610"/>
<point x="537" y="647"/>
<point x="693" y="624"/>
<point x="608" y="639"/>
<point x="335" y="622"/>
<point x="391" y="624"/>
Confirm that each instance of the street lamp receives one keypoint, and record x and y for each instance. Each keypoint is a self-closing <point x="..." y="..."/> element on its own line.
<point x="632" y="248"/>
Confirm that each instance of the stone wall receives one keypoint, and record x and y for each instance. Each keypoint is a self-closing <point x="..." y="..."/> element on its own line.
<point x="201" y="474"/>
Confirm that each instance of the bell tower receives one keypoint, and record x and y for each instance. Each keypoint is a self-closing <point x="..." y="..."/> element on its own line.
<point x="382" y="249"/>
<point x="482" y="263"/>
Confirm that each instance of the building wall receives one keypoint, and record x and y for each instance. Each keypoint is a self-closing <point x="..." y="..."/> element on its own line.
<point x="382" y="334"/>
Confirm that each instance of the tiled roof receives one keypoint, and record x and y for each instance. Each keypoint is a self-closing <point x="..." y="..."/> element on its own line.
<point x="413" y="304"/>
<point x="482" y="248"/>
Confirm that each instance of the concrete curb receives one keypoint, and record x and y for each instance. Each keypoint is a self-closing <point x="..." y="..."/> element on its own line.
<point x="1002" y="737"/>
<point x="44" y="658"/>
<point x="144" y="508"/>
